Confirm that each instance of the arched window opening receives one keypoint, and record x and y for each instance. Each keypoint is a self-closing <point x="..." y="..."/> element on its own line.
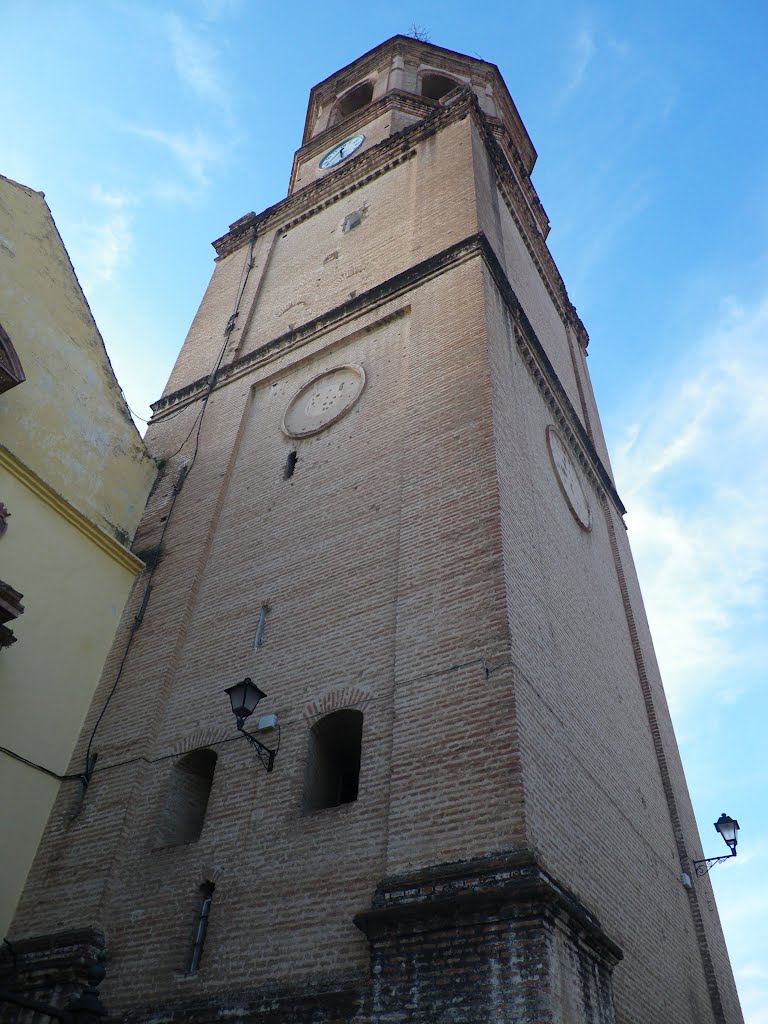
<point x="333" y="762"/>
<point x="355" y="99"/>
<point x="434" y="87"/>
<point x="187" y="801"/>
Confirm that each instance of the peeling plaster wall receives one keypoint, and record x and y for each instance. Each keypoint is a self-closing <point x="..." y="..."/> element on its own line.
<point x="68" y="422"/>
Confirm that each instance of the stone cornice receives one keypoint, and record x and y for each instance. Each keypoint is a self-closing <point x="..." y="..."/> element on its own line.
<point x="124" y="558"/>
<point x="513" y="884"/>
<point x="522" y="205"/>
<point x="419" y="106"/>
<point x="532" y="351"/>
<point x="512" y="155"/>
<point x="346" y="178"/>
<point x="549" y="384"/>
<point x="516" y="189"/>
<point x="430" y="56"/>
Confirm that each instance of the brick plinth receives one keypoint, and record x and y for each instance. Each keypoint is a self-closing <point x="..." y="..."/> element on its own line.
<point x="485" y="940"/>
<point x="492" y="940"/>
<point x="336" y="1006"/>
<point x="50" y="969"/>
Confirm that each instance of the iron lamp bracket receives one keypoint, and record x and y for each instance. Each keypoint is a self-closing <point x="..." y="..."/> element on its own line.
<point x="264" y="754"/>
<point x="703" y="866"/>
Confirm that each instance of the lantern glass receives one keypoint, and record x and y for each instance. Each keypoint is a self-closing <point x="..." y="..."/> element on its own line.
<point x="728" y="829"/>
<point x="244" y="697"/>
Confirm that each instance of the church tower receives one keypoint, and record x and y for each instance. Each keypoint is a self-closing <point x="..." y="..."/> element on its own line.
<point x="386" y="500"/>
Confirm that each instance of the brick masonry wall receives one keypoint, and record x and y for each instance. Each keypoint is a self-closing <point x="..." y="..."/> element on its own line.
<point x="403" y="223"/>
<point x="495" y="220"/>
<point x="492" y="939"/>
<point x="374" y="582"/>
<point x="586" y="748"/>
<point x="375" y="131"/>
<point x="421" y="566"/>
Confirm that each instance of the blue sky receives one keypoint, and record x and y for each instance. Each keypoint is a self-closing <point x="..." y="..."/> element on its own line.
<point x="151" y="128"/>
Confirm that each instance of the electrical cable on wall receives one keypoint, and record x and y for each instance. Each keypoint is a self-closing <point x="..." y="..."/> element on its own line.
<point x="34" y="764"/>
<point x="184" y="472"/>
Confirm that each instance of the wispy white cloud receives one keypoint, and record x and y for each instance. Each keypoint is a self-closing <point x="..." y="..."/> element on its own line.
<point x="694" y="475"/>
<point x="105" y="242"/>
<point x="744" y="907"/>
<point x="195" y="61"/>
<point x="169" y="191"/>
<point x="213" y="10"/>
<point x="117" y="199"/>
<point x="618" y="212"/>
<point x="754" y="970"/>
<point x="620" y="47"/>
<point x="693" y="470"/>
<point x="105" y="248"/>
<point x="195" y="151"/>
<point x="753" y="1005"/>
<point x="581" y="50"/>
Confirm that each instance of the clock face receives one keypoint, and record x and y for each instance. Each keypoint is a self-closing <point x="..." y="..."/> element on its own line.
<point x="341" y="151"/>
<point x="569" y="479"/>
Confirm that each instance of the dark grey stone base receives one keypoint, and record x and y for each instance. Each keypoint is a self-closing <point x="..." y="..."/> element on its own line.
<point x="495" y="941"/>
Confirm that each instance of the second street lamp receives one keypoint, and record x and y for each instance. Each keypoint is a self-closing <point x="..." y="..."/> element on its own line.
<point x="729" y="829"/>
<point x="244" y="697"/>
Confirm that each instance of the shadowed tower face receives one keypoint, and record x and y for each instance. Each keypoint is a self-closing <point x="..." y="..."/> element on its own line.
<point x="387" y="499"/>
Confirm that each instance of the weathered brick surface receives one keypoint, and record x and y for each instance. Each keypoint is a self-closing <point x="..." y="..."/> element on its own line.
<point x="493" y="939"/>
<point x="421" y="566"/>
<point x="52" y="970"/>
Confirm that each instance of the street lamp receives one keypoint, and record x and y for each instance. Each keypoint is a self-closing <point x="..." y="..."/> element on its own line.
<point x="729" y="830"/>
<point x="244" y="697"/>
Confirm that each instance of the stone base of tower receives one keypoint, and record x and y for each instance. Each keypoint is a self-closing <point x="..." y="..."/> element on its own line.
<point x="487" y="940"/>
<point x="492" y="940"/>
<point x="49" y="969"/>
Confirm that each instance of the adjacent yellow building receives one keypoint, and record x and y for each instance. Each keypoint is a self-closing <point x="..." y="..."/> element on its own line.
<point x="74" y="478"/>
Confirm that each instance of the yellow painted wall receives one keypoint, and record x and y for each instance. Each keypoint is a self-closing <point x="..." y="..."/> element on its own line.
<point x="68" y="421"/>
<point x="74" y="593"/>
<point x="75" y="475"/>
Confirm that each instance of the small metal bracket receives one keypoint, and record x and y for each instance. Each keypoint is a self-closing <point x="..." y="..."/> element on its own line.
<point x="264" y="754"/>
<point x="703" y="866"/>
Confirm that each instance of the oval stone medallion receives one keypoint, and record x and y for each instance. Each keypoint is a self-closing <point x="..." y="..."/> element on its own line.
<point x="568" y="478"/>
<point x="323" y="401"/>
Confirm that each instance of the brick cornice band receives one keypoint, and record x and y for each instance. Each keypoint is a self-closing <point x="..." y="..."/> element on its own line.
<point x="508" y="886"/>
<point x="532" y="349"/>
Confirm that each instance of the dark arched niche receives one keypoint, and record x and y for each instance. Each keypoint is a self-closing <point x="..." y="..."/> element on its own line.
<point x="353" y="100"/>
<point x="435" y="86"/>
<point x="333" y="760"/>
<point x="187" y="799"/>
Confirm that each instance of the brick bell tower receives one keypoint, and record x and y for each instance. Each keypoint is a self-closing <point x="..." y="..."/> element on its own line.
<point x="386" y="498"/>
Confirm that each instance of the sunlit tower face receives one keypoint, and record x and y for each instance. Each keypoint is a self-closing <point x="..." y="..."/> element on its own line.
<point x="398" y="520"/>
